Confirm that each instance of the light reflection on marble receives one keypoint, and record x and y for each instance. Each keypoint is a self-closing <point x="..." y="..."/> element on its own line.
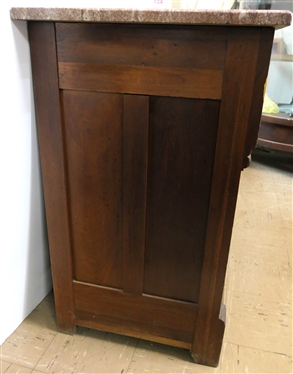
<point x="277" y="19"/>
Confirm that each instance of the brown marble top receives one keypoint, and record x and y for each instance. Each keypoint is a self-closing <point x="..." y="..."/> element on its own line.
<point x="275" y="18"/>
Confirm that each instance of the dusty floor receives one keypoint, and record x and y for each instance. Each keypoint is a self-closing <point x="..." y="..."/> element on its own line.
<point x="258" y="296"/>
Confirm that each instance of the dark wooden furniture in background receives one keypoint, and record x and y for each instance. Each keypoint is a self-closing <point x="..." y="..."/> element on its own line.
<point x="144" y="131"/>
<point x="276" y="132"/>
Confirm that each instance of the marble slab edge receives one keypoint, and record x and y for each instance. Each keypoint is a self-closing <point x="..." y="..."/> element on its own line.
<point x="275" y="18"/>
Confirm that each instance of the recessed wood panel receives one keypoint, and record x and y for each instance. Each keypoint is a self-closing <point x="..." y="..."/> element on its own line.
<point x="181" y="157"/>
<point x="93" y="133"/>
<point x="148" y="45"/>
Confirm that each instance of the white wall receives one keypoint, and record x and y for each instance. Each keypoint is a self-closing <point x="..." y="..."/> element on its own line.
<point x="25" y="276"/>
<point x="280" y="77"/>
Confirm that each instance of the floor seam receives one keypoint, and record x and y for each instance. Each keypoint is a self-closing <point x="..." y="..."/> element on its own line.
<point x="257" y="349"/>
<point x="138" y="340"/>
<point x="44" y="353"/>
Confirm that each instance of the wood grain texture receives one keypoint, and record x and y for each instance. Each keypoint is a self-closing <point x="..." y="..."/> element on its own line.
<point x="253" y="127"/>
<point x="135" y="59"/>
<point x="145" y="80"/>
<point x="181" y="156"/>
<point x="135" y="157"/>
<point x="93" y="131"/>
<point x="49" y="123"/>
<point x="189" y="47"/>
<point x="127" y="328"/>
<point x="235" y="112"/>
<point x="135" y="314"/>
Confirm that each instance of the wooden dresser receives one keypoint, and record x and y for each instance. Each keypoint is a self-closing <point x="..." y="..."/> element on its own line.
<point x="145" y="121"/>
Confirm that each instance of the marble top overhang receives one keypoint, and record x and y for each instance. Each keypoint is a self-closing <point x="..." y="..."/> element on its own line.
<point x="267" y="18"/>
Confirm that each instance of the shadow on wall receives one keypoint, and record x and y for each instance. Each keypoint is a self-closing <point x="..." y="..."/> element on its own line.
<point x="38" y="280"/>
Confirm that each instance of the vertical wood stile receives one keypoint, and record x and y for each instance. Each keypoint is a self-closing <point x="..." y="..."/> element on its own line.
<point x="237" y="98"/>
<point x="135" y="155"/>
<point x="263" y="63"/>
<point x="49" y="123"/>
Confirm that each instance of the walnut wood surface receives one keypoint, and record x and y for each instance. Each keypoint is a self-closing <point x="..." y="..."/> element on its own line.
<point x="146" y="80"/>
<point x="235" y="112"/>
<point x="49" y="121"/>
<point x="136" y="59"/>
<point x="181" y="160"/>
<point x="134" y="45"/>
<point x="135" y="166"/>
<point x="262" y="67"/>
<point x="93" y="146"/>
<point x="170" y="319"/>
<point x="144" y="130"/>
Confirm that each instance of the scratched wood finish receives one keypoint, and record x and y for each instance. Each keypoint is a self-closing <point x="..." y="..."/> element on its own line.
<point x="142" y="147"/>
